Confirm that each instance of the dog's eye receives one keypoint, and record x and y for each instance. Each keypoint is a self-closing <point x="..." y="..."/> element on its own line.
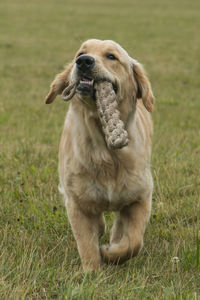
<point x="111" y="56"/>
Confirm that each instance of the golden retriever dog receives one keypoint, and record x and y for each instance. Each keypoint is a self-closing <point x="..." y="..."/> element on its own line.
<point x="93" y="177"/>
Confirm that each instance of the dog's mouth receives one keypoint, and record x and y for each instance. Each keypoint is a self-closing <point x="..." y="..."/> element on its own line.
<point x="86" y="86"/>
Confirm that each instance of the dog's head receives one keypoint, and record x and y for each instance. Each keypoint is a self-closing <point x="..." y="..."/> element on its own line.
<point x="98" y="61"/>
<point x="124" y="81"/>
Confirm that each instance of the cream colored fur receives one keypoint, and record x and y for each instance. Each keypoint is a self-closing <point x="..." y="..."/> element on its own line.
<point x="94" y="179"/>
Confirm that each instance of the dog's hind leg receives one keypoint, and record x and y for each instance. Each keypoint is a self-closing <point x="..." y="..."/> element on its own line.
<point x="127" y="232"/>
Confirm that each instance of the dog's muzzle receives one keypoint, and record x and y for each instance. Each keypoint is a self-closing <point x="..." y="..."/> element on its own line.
<point x="87" y="78"/>
<point x="85" y="65"/>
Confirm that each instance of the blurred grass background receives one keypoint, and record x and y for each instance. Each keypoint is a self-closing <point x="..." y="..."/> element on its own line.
<point x="38" y="255"/>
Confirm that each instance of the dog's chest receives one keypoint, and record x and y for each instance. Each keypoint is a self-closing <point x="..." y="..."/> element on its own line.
<point x="103" y="180"/>
<point x="114" y="182"/>
<point x="113" y="194"/>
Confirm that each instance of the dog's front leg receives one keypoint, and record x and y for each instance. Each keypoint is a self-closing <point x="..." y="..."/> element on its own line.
<point x="86" y="232"/>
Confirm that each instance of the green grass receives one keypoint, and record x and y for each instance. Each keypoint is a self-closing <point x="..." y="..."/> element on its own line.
<point x="38" y="254"/>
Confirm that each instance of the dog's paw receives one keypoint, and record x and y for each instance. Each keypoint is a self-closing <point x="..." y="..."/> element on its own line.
<point x="111" y="253"/>
<point x="91" y="267"/>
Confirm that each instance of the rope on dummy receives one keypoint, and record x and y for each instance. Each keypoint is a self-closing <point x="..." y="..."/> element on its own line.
<point x="115" y="135"/>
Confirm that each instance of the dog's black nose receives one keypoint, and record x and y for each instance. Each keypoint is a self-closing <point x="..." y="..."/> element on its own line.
<point x="85" y="62"/>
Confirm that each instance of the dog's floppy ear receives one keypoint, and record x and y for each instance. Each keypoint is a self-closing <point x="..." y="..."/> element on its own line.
<point x="60" y="82"/>
<point x="144" y="90"/>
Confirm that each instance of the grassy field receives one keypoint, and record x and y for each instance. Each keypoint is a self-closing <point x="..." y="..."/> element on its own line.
<point x="38" y="255"/>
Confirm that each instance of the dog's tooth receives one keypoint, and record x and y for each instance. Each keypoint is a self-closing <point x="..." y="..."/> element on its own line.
<point x="87" y="81"/>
